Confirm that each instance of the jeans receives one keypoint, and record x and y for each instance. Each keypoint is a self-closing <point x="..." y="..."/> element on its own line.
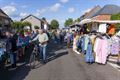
<point x="55" y="40"/>
<point x="42" y="49"/>
<point x="13" y="58"/>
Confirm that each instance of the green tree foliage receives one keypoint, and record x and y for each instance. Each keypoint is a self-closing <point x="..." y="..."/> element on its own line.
<point x="77" y="20"/>
<point x="36" y="27"/>
<point x="26" y="24"/>
<point x="54" y="24"/>
<point x="68" y="22"/>
<point x="116" y="17"/>
<point x="44" y="19"/>
<point x="18" y="25"/>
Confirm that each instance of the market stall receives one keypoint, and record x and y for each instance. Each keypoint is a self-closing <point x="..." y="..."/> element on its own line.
<point x="85" y="21"/>
<point x="98" y="46"/>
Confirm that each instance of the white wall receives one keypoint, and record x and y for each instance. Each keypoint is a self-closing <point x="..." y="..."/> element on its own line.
<point x="33" y="21"/>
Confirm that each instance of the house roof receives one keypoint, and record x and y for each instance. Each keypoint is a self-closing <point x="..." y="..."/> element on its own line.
<point x="92" y="12"/>
<point x="29" y="16"/>
<point x="3" y="14"/>
<point x="108" y="9"/>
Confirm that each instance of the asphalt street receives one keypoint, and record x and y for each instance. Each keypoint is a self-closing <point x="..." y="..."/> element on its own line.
<point x="64" y="64"/>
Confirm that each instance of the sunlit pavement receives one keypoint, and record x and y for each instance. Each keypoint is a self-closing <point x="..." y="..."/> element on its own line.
<point x="64" y="64"/>
<point x="113" y="62"/>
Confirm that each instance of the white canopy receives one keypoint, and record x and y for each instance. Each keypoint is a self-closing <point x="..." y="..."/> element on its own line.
<point x="99" y="21"/>
<point x="27" y="27"/>
<point x="85" y="21"/>
<point x="108" y="21"/>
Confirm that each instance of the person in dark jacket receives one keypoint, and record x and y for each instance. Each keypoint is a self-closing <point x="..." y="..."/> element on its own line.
<point x="11" y="47"/>
<point x="14" y="48"/>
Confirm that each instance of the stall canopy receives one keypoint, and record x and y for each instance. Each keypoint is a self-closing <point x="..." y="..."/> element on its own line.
<point x="85" y="21"/>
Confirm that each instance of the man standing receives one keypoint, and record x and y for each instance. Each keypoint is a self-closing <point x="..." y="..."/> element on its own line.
<point x="11" y="47"/>
<point x="14" y="47"/>
<point x="43" y="40"/>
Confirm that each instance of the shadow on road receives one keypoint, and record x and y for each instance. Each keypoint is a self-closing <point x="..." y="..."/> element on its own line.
<point x="54" y="51"/>
<point x="20" y="72"/>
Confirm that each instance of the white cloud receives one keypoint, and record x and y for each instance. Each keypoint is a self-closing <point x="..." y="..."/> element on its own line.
<point x="24" y="6"/>
<point x="9" y="10"/>
<point x="41" y="11"/>
<point x="71" y="10"/>
<point x="55" y="7"/>
<point x="23" y="14"/>
<point x="64" y="1"/>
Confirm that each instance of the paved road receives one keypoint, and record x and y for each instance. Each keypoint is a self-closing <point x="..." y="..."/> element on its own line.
<point x="64" y="64"/>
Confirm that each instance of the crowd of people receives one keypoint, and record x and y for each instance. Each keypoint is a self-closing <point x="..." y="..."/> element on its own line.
<point x="82" y="41"/>
<point x="18" y="42"/>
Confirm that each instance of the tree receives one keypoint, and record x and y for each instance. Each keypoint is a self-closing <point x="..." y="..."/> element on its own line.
<point x="68" y="22"/>
<point x="18" y="25"/>
<point x="54" y="24"/>
<point x="77" y="20"/>
<point x="44" y="19"/>
<point x="26" y="24"/>
<point x="36" y="27"/>
<point x="116" y="17"/>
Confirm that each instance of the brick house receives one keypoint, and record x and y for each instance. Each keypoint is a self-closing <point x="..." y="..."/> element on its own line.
<point x="106" y="12"/>
<point x="5" y="21"/>
<point x="91" y="13"/>
<point x="101" y="14"/>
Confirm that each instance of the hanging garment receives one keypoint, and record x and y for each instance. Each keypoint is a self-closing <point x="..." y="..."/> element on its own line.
<point x="115" y="46"/>
<point x="94" y="27"/>
<point x="78" y="43"/>
<point x="102" y="28"/>
<point x="86" y="42"/>
<point x="83" y="43"/>
<point x="101" y="51"/>
<point x="95" y="48"/>
<point x="92" y="37"/>
<point x="75" y="42"/>
<point x="89" y="57"/>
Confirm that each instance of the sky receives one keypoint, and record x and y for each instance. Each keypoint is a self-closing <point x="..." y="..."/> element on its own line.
<point x="51" y="9"/>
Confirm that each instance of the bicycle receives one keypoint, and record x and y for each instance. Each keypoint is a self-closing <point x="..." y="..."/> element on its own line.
<point x="34" y="56"/>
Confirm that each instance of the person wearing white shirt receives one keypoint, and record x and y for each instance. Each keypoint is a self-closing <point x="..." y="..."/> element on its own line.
<point x="43" y="40"/>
